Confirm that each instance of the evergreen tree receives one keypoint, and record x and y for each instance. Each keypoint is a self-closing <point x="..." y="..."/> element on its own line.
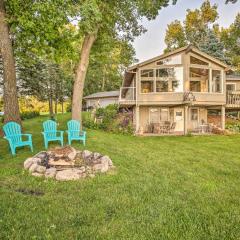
<point x="213" y="46"/>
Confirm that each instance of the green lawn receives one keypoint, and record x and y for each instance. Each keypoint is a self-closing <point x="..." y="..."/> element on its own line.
<point x="163" y="188"/>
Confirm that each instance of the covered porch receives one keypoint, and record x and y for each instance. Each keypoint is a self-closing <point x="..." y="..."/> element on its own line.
<point x="178" y="120"/>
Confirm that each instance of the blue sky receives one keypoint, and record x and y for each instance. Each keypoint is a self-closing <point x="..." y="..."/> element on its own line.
<point x="152" y="43"/>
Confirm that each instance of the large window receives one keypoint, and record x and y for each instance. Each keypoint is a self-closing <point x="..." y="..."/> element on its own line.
<point x="216" y="81"/>
<point x="157" y="115"/>
<point x="163" y="75"/>
<point x="168" y="79"/>
<point x="147" y="80"/>
<point x="199" y="79"/>
<point x="147" y="86"/>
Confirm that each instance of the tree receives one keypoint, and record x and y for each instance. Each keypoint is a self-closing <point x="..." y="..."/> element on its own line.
<point x="115" y="18"/>
<point x="213" y="46"/>
<point x="175" y="36"/>
<point x="231" y="39"/>
<point x="194" y="29"/>
<point x="11" y="107"/>
<point x="108" y="60"/>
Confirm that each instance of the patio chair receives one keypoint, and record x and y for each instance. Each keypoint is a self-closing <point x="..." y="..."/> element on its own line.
<point x="74" y="132"/>
<point x="14" y="136"/>
<point x="50" y="133"/>
<point x="172" y="127"/>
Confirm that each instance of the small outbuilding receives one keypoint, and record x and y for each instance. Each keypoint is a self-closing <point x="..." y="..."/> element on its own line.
<point x="101" y="99"/>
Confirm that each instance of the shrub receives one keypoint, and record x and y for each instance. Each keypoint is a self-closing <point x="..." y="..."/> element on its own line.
<point x="108" y="119"/>
<point x="29" y="114"/>
<point x="69" y="108"/>
<point x="234" y="127"/>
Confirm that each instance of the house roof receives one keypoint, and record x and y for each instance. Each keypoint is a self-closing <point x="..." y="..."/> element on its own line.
<point x="130" y="71"/>
<point x="233" y="76"/>
<point x="103" y="95"/>
<point x="186" y="48"/>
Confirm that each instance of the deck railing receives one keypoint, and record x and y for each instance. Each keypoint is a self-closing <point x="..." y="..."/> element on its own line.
<point x="127" y="94"/>
<point x="233" y="98"/>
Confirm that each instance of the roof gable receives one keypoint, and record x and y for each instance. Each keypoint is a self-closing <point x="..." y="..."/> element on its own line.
<point x="185" y="49"/>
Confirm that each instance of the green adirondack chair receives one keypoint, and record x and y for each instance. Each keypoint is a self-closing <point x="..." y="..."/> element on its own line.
<point x="74" y="132"/>
<point x="15" y="137"/>
<point x="50" y="133"/>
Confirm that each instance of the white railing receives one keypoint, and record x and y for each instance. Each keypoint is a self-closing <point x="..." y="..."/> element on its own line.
<point x="127" y="94"/>
<point x="233" y="98"/>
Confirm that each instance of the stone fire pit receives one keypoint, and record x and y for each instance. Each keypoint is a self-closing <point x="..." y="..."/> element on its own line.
<point x="67" y="163"/>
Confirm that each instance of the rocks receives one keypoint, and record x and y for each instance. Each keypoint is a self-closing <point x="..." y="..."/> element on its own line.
<point x="64" y="164"/>
<point x="66" y="175"/>
<point x="51" y="172"/>
<point x="33" y="167"/>
<point x="28" y="162"/>
<point x="40" y="169"/>
<point x="86" y="154"/>
<point x="35" y="174"/>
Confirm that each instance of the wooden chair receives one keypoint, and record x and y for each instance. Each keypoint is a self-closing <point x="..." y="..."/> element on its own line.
<point x="74" y="132"/>
<point x="14" y="136"/>
<point x="50" y="133"/>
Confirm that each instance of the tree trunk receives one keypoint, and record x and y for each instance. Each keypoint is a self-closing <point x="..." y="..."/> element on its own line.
<point x="56" y="105"/>
<point x="103" y="79"/>
<point x="11" y="107"/>
<point x="62" y="108"/>
<point x="50" y="102"/>
<point x="80" y="76"/>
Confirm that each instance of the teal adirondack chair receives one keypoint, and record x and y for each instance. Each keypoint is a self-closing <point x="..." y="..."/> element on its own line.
<point x="15" y="137"/>
<point x="50" y="133"/>
<point x="74" y="132"/>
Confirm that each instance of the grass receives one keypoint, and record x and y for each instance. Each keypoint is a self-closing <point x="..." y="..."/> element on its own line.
<point x="163" y="188"/>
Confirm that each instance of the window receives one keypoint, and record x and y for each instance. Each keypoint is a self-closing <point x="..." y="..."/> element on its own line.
<point x="197" y="61"/>
<point x="195" y="86"/>
<point x="171" y="60"/>
<point x="147" y="73"/>
<point x="162" y="86"/>
<point x="146" y="86"/>
<point x="194" y="114"/>
<point x="163" y="114"/>
<point x="199" y="79"/>
<point x="157" y="115"/>
<point x="169" y="79"/>
<point x="147" y="80"/>
<point x="216" y="81"/>
<point x="154" y="115"/>
<point x="230" y="87"/>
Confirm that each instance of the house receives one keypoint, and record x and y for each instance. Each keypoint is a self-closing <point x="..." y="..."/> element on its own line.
<point x="178" y="92"/>
<point x="101" y="99"/>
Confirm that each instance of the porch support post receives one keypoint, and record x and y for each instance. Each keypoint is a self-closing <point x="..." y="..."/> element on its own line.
<point x="223" y="117"/>
<point x="185" y="120"/>
<point x="137" y="119"/>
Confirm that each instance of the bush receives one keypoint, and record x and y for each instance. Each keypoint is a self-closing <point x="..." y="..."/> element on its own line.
<point x="69" y="108"/>
<point x="234" y="127"/>
<point x="29" y="114"/>
<point x="108" y="119"/>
